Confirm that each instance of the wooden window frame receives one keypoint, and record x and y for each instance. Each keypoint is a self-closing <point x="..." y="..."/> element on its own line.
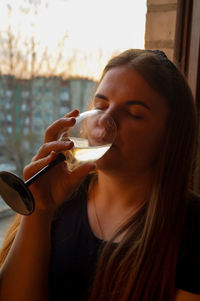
<point x="187" y="43"/>
<point x="187" y="57"/>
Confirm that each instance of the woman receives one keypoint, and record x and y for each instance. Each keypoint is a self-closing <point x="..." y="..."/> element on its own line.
<point x="129" y="230"/>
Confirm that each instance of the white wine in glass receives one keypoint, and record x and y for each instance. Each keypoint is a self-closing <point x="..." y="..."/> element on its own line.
<point x="93" y="135"/>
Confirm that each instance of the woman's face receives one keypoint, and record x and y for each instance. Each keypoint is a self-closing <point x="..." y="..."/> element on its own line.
<point x="141" y="116"/>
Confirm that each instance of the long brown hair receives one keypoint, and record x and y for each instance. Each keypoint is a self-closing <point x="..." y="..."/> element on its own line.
<point x="9" y="238"/>
<point x="143" y="265"/>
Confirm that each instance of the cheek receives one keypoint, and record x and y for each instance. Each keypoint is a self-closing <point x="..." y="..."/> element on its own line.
<point x="143" y="144"/>
<point x="137" y="148"/>
<point x="151" y="147"/>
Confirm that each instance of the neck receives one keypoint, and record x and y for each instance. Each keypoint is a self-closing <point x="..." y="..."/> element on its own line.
<point x="113" y="200"/>
<point x="123" y="191"/>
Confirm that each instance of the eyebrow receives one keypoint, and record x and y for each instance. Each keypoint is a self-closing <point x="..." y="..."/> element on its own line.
<point x="129" y="102"/>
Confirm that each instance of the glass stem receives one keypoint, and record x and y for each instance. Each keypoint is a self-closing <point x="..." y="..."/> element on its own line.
<point x="58" y="160"/>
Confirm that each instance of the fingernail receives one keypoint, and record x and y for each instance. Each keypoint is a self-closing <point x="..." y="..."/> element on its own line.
<point x="68" y="142"/>
<point x="52" y="153"/>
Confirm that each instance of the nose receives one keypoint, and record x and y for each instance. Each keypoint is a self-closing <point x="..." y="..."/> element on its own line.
<point x="111" y="114"/>
<point x="107" y="122"/>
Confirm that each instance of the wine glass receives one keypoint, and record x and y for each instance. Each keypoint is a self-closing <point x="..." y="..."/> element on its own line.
<point x="93" y="135"/>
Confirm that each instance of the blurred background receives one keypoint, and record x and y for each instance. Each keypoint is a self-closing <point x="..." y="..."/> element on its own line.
<point x="52" y="53"/>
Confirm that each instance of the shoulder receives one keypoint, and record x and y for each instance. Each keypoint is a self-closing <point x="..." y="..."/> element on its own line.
<point x="192" y="220"/>
<point x="193" y="203"/>
<point x="191" y="230"/>
<point x="185" y="296"/>
<point x="188" y="267"/>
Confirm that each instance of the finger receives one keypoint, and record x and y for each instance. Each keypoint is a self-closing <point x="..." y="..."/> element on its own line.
<point x="36" y="166"/>
<point x="53" y="131"/>
<point x="56" y="146"/>
<point x="73" y="113"/>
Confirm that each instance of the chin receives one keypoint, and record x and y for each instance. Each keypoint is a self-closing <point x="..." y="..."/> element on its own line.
<point x="107" y="162"/>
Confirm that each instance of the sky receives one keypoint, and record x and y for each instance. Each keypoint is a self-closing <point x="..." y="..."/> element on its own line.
<point x="94" y="29"/>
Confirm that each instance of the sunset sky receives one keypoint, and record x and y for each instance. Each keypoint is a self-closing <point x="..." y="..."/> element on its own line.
<point x="94" y="29"/>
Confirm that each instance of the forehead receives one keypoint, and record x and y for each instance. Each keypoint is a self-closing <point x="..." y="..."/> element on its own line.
<point x="124" y="83"/>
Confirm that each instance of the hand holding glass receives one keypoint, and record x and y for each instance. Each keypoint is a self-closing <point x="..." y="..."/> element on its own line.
<point x="93" y="135"/>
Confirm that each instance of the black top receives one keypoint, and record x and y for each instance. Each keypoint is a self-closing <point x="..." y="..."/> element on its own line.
<point x="75" y="250"/>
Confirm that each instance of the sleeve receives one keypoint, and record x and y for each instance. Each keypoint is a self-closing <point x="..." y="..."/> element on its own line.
<point x="188" y="267"/>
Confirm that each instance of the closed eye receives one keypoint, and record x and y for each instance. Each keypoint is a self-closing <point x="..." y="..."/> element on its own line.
<point x="137" y="116"/>
<point x="100" y="104"/>
<point x="100" y="107"/>
<point x="136" y="112"/>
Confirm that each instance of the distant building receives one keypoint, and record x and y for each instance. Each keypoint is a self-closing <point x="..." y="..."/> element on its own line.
<point x="29" y="106"/>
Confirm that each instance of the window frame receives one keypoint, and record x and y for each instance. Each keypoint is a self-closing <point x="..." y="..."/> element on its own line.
<point x="187" y="57"/>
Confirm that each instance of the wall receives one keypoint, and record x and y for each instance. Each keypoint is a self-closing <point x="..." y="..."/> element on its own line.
<point x="160" y="25"/>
